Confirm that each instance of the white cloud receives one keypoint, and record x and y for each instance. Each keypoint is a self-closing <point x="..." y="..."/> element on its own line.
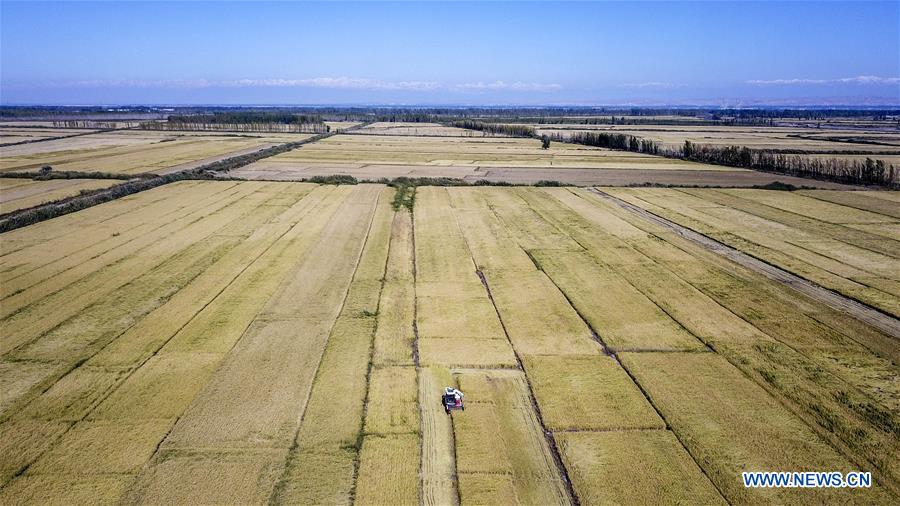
<point x="500" y="85"/>
<point x="843" y="80"/>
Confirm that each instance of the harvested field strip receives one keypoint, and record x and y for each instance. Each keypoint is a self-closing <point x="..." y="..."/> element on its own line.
<point x="110" y="247"/>
<point x="732" y="425"/>
<point x="634" y="467"/>
<point x="866" y="201"/>
<point x="32" y="320"/>
<point x="769" y="246"/>
<point x="781" y="340"/>
<point x="330" y="429"/>
<point x="439" y="473"/>
<point x="499" y="437"/>
<point x="39" y="192"/>
<point x="252" y="416"/>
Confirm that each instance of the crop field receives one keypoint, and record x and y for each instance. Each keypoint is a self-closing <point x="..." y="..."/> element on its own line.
<point x="19" y="134"/>
<point x="414" y="129"/>
<point x="515" y="160"/>
<point x="18" y="193"/>
<point x="133" y="152"/>
<point x="846" y="241"/>
<point x="288" y="343"/>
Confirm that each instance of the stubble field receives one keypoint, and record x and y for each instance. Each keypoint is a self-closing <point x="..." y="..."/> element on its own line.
<point x="270" y="342"/>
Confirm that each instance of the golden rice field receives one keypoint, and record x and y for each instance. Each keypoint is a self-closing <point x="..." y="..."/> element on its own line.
<point x="288" y="343"/>
<point x="18" y="193"/>
<point x="134" y="152"/>
<point x="846" y="241"/>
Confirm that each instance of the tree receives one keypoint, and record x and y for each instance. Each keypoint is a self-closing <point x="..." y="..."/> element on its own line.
<point x="545" y="142"/>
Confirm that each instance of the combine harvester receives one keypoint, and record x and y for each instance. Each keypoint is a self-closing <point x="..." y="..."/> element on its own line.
<point x="452" y="399"/>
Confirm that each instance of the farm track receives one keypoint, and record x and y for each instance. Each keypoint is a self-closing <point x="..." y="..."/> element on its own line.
<point x="856" y="309"/>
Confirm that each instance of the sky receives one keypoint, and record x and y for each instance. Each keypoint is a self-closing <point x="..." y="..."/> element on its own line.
<point x="459" y="53"/>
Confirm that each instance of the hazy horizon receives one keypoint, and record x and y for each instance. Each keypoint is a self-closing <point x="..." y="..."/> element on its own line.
<point x="417" y="54"/>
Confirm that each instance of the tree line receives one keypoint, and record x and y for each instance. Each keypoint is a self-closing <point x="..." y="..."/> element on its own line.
<point x="842" y="170"/>
<point x="495" y="128"/>
<point x="868" y="171"/>
<point x="621" y="142"/>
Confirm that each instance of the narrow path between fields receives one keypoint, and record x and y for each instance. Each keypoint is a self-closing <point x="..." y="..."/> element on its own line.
<point x="884" y="322"/>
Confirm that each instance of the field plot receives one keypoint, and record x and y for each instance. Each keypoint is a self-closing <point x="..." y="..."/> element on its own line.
<point x="288" y="343"/>
<point x="850" y="249"/>
<point x="414" y="129"/>
<point x="132" y="152"/>
<point x="18" y="193"/>
<point x="11" y="135"/>
<point x="374" y="156"/>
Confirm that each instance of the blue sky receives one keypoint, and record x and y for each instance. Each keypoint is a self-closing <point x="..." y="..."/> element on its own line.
<point x="587" y="53"/>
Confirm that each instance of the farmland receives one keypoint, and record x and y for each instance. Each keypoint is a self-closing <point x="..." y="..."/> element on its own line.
<point x="285" y="342"/>
<point x="18" y="194"/>
<point x="439" y="151"/>
<point x="133" y="151"/>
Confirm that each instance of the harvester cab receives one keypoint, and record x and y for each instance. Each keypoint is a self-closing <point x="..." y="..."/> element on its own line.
<point x="452" y="399"/>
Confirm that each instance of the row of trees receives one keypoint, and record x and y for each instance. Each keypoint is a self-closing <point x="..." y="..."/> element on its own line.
<point x="310" y="128"/>
<point x="495" y="128"/>
<point x="868" y="171"/>
<point x="622" y="142"/>
<point x="233" y="117"/>
<point x="101" y="125"/>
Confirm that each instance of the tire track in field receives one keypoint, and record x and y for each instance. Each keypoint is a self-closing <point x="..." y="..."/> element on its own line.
<point x="865" y="313"/>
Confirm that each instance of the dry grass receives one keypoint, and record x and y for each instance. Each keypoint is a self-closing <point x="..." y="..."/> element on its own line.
<point x="388" y="470"/>
<point x="731" y="425"/>
<point x="588" y="393"/>
<point x="634" y="467"/>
